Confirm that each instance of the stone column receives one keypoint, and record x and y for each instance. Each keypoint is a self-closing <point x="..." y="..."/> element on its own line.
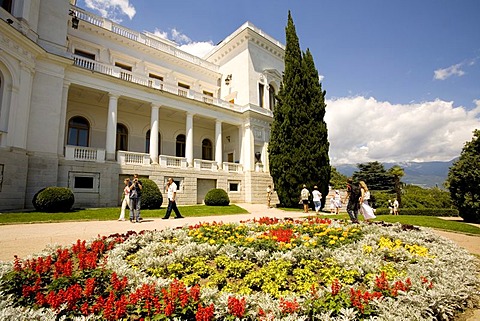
<point x="189" y="139"/>
<point x="247" y="147"/>
<point x="218" y="143"/>
<point x="63" y="118"/>
<point x="111" y="126"/>
<point x="154" y="134"/>
<point x="265" y="157"/>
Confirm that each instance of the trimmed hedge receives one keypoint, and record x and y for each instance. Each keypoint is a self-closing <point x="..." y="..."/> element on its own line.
<point x="152" y="198"/>
<point x="53" y="199"/>
<point x="445" y="212"/>
<point x="217" y="197"/>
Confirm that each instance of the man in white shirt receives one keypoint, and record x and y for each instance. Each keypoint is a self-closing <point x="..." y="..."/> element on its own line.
<point x="317" y="199"/>
<point x="172" y="195"/>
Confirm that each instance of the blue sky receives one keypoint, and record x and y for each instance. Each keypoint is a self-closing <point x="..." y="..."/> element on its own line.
<point x="404" y="74"/>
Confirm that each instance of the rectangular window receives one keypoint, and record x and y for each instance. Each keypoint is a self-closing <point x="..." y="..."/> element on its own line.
<point x="183" y="89"/>
<point x="151" y="82"/>
<point x="207" y="97"/>
<point x="261" y="89"/>
<point x="84" y="54"/>
<point x="234" y="186"/>
<point x="82" y="182"/>
<point x="123" y="66"/>
<point x="124" y="75"/>
<point x="155" y="76"/>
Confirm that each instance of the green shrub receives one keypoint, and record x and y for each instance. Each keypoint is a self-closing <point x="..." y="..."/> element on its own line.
<point x="444" y="212"/>
<point x="53" y="199"/>
<point x="217" y="197"/>
<point x="416" y="197"/>
<point x="152" y="198"/>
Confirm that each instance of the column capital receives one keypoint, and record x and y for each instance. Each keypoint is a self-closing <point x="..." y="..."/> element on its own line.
<point x="114" y="95"/>
<point x="155" y="105"/>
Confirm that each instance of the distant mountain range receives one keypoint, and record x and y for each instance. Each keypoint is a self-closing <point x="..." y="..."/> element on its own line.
<point x="425" y="174"/>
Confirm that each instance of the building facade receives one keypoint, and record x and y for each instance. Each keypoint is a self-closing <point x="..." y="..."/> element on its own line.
<point x="86" y="102"/>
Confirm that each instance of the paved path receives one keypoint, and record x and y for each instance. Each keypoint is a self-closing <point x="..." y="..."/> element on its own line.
<point x="27" y="239"/>
<point x="24" y="240"/>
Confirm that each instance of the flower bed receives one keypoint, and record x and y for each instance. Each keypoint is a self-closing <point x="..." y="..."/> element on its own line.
<point x="258" y="270"/>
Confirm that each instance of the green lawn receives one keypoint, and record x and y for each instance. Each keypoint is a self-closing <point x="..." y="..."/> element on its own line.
<point x="426" y="221"/>
<point x="112" y="213"/>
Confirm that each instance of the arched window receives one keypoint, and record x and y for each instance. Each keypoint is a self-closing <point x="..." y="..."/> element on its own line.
<point x="122" y="137"/>
<point x="78" y="131"/>
<point x="207" y="150"/>
<point x="147" y="142"/>
<point x="180" y="146"/>
<point x="271" y="97"/>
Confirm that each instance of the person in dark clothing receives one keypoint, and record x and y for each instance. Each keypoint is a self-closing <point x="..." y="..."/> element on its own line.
<point x="135" y="199"/>
<point x="353" y="196"/>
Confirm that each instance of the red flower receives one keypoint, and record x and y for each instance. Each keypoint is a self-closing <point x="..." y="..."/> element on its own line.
<point x="289" y="307"/>
<point x="205" y="314"/>
<point x="236" y="307"/>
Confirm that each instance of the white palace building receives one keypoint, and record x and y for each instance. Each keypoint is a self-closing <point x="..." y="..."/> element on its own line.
<point x="80" y="97"/>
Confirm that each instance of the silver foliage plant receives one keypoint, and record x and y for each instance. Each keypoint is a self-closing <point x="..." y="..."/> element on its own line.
<point x="453" y="271"/>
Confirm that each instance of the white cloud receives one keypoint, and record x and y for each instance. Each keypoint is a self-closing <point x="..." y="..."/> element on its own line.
<point x="184" y="42"/>
<point x="363" y="129"/>
<point x="442" y="74"/>
<point x="454" y="70"/>
<point x="112" y="9"/>
<point x="199" y="49"/>
<point x="161" y="34"/>
<point x="179" y="37"/>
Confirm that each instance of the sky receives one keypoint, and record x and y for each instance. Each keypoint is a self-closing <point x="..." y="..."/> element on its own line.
<point x="402" y="77"/>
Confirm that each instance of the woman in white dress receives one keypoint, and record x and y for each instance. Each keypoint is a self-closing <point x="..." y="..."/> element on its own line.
<point x="365" y="208"/>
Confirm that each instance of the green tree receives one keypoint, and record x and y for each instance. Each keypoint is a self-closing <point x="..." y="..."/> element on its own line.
<point x="464" y="180"/>
<point x="337" y="180"/>
<point x="298" y="147"/>
<point x="397" y="173"/>
<point x="375" y="175"/>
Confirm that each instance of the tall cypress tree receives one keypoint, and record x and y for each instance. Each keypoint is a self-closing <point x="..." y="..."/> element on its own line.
<point x="298" y="148"/>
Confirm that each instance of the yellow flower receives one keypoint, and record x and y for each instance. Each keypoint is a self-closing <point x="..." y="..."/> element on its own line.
<point x="367" y="249"/>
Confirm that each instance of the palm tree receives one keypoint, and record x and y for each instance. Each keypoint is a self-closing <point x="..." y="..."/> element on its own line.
<point x="397" y="173"/>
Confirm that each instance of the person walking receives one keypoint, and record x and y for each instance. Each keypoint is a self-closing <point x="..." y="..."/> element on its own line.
<point x="395" y="207"/>
<point x="317" y="199"/>
<point x="171" y="195"/>
<point x="338" y="202"/>
<point x="139" y="194"/>
<point x="304" y="195"/>
<point x="353" y="197"/>
<point x="125" y="199"/>
<point x="269" y="196"/>
<point x="333" y="205"/>
<point x="365" y="208"/>
<point x="135" y="194"/>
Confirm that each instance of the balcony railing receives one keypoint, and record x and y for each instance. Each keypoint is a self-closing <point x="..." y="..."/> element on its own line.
<point x="141" y="38"/>
<point x="130" y="76"/>
<point x="232" y="167"/>
<point x="203" y="164"/>
<point x="172" y="161"/>
<point x="87" y="154"/>
<point x="132" y="158"/>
